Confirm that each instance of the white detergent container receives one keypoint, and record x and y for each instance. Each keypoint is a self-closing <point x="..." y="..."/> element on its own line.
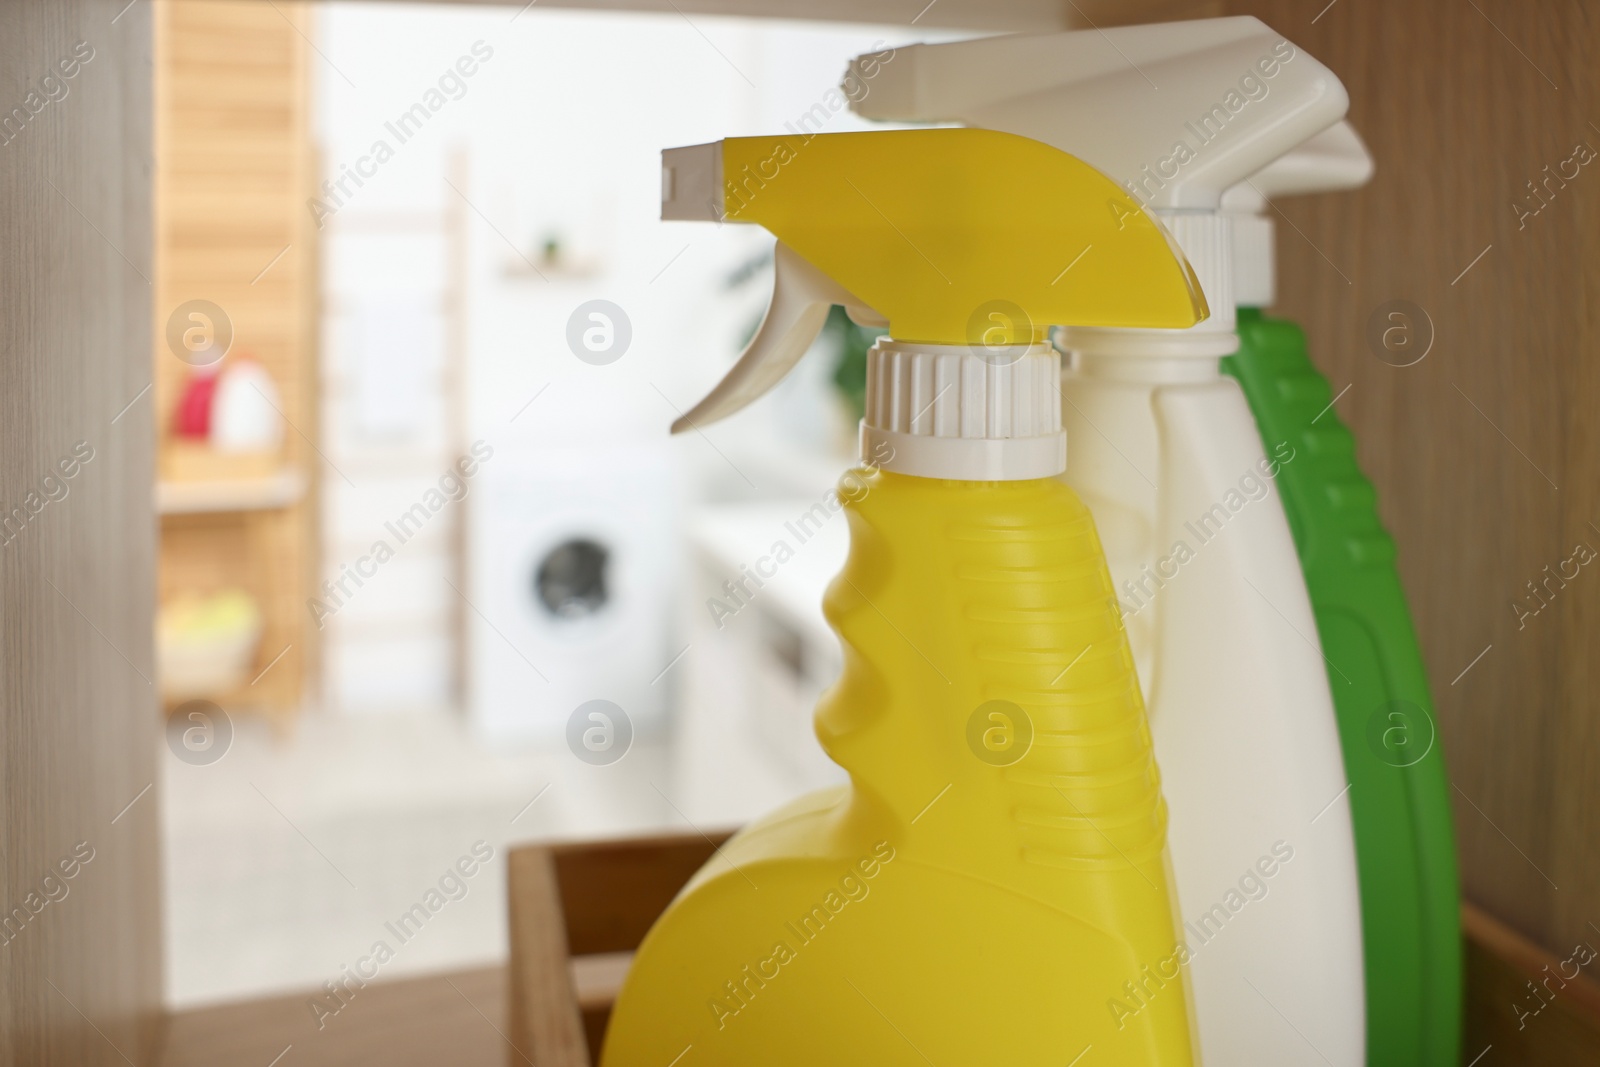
<point x="1166" y="454"/>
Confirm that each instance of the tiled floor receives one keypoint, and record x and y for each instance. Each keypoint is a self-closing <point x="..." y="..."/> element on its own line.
<point x="288" y="860"/>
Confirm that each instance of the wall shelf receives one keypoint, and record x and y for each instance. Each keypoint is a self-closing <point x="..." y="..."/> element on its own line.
<point x="279" y="490"/>
<point x="235" y="165"/>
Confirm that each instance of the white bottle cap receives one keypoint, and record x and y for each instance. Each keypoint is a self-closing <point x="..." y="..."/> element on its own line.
<point x="972" y="413"/>
<point x="968" y="412"/>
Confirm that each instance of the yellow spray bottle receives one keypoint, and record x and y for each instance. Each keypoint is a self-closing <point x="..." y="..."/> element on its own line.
<point x="991" y="887"/>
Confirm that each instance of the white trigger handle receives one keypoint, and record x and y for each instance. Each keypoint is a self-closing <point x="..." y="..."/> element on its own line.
<point x="801" y="298"/>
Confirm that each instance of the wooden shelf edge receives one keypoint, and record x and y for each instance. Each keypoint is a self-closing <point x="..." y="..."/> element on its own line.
<point x="279" y="490"/>
<point x="1580" y="995"/>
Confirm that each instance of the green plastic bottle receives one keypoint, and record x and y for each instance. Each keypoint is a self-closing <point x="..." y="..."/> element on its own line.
<point x="1399" y="791"/>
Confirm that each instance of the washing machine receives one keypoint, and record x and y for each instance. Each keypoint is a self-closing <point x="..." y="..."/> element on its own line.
<point x="572" y="555"/>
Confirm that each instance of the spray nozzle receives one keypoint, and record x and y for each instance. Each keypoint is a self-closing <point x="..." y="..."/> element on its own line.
<point x="1332" y="161"/>
<point x="946" y="236"/>
<point x="1176" y="112"/>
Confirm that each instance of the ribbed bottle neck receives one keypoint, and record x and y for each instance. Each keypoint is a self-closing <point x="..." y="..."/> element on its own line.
<point x="1206" y="238"/>
<point x="1255" y="271"/>
<point x="965" y="412"/>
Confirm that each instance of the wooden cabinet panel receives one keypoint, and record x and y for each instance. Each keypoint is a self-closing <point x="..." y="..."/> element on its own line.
<point x="80" y="968"/>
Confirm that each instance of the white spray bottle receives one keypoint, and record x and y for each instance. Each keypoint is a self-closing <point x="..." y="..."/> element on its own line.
<point x="1335" y="160"/>
<point x="1168" y="458"/>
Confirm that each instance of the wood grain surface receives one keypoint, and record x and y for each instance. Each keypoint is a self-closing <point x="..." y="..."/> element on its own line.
<point x="546" y="1025"/>
<point x="1526" y="1005"/>
<point x="80" y="979"/>
<point x="456" y="1019"/>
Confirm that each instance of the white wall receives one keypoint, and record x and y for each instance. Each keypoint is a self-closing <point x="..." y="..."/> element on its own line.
<point x="556" y="132"/>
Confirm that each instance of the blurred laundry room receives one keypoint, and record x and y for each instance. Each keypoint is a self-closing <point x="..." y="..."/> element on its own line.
<point x="449" y="578"/>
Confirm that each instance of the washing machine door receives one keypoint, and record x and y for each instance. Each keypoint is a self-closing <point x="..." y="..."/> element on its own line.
<point x="573" y="563"/>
